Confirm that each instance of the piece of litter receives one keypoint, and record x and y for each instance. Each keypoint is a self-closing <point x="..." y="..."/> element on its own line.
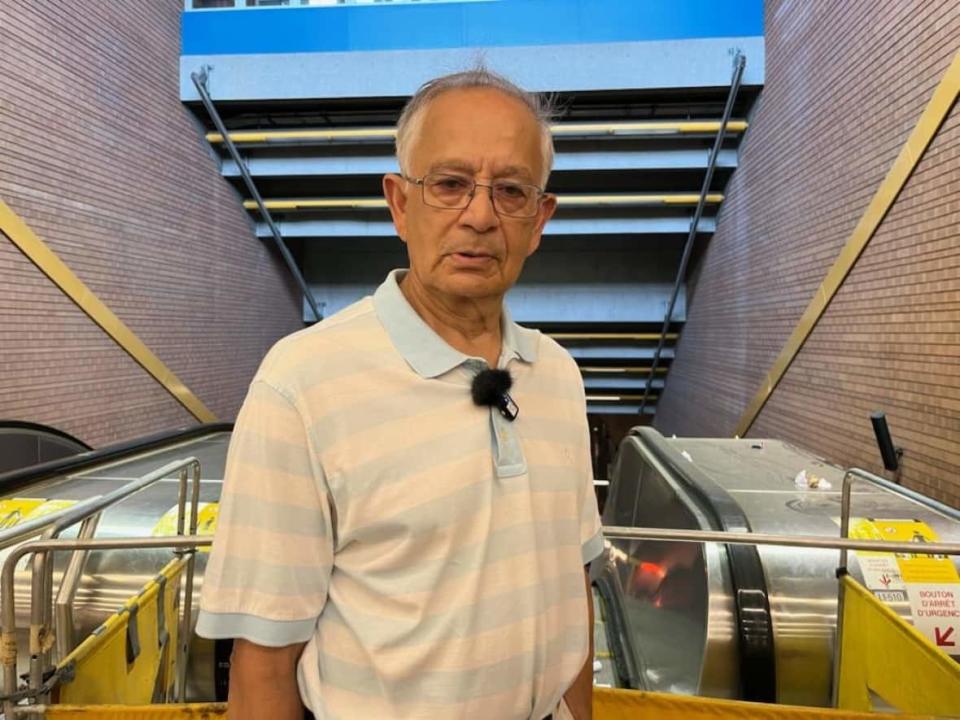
<point x="687" y="455"/>
<point x="597" y="666"/>
<point x="809" y="481"/>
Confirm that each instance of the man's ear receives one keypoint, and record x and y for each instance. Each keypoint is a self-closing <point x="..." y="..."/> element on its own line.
<point x="548" y="206"/>
<point x="395" y="192"/>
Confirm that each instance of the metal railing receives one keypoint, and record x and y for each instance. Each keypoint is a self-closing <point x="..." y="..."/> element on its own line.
<point x="200" y="82"/>
<point x="43" y="548"/>
<point x="739" y="63"/>
<point x="612" y="532"/>
<point x="87" y="514"/>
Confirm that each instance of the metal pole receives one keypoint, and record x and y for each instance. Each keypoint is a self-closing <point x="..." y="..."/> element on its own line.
<point x="187" y="630"/>
<point x="612" y="532"/>
<point x="68" y="589"/>
<point x="200" y="80"/>
<point x="841" y="591"/>
<point x="739" y="62"/>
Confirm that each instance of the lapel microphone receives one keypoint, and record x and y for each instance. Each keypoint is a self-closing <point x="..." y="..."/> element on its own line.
<point x="490" y="389"/>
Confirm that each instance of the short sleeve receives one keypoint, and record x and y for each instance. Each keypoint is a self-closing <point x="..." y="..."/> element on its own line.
<point x="591" y="534"/>
<point x="269" y="568"/>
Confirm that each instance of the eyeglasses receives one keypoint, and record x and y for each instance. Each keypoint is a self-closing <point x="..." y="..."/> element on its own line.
<point x="455" y="192"/>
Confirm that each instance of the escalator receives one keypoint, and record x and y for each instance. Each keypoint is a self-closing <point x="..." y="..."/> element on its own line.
<point x="715" y="620"/>
<point x="43" y="492"/>
<point x="731" y="621"/>
<point x="23" y="444"/>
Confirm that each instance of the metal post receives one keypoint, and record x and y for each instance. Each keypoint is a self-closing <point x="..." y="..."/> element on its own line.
<point x="41" y="590"/>
<point x="63" y="606"/>
<point x="739" y="62"/>
<point x="841" y="591"/>
<point x="200" y="81"/>
<point x="187" y="628"/>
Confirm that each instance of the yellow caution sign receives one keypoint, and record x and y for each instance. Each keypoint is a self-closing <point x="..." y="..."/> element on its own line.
<point x="207" y="514"/>
<point x="907" y="567"/>
<point x="929" y="583"/>
<point x="14" y="511"/>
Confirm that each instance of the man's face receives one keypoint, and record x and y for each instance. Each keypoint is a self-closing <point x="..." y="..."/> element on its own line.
<point x="472" y="253"/>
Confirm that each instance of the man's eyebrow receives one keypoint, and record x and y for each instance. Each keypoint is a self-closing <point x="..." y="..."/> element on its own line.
<point x="515" y="171"/>
<point x="457" y="165"/>
<point x="509" y="171"/>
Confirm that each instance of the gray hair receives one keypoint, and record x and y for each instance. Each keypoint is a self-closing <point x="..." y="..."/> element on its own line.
<point x="411" y="119"/>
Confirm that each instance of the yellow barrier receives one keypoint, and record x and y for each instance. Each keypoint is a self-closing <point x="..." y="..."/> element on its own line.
<point x="607" y="705"/>
<point x="611" y="704"/>
<point x="131" y="657"/>
<point x="202" y="711"/>
<point x="882" y="654"/>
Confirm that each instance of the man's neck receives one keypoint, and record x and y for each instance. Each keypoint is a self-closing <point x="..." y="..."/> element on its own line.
<point x="470" y="325"/>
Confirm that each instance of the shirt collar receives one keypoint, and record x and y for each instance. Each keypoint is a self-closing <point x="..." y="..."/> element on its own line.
<point x="425" y="351"/>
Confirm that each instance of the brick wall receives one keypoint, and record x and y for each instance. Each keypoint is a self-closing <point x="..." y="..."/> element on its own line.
<point x="100" y="158"/>
<point x="845" y="85"/>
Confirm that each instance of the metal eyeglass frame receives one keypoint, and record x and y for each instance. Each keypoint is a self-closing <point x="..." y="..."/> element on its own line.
<point x="541" y="193"/>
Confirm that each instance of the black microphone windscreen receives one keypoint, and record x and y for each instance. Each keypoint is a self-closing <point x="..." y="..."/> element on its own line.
<point x="489" y="386"/>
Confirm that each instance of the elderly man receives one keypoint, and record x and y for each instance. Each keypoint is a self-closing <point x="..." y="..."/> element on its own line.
<point x="389" y="545"/>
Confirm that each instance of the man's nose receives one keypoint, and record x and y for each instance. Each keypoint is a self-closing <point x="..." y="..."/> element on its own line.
<point x="480" y="213"/>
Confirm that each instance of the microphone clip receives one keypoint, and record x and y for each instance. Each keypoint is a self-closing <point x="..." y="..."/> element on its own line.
<point x="491" y="388"/>
<point x="507" y="407"/>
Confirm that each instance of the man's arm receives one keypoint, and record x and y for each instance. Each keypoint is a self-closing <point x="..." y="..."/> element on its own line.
<point x="579" y="697"/>
<point x="263" y="682"/>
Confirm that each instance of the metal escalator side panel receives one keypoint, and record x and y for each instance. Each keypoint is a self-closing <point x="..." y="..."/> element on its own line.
<point x="758" y="678"/>
<point x="25" y="477"/>
<point x="25" y="444"/>
<point x="110" y="577"/>
<point x="677" y="602"/>
<point x="720" y="511"/>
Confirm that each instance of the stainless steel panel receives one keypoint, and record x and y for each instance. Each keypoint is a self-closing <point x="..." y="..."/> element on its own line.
<point x="676" y="596"/>
<point x="802" y="583"/>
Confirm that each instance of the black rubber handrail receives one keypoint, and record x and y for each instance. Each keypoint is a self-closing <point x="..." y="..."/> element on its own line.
<point x="619" y="641"/>
<point x="17" y="479"/>
<point x="758" y="674"/>
<point x="45" y="429"/>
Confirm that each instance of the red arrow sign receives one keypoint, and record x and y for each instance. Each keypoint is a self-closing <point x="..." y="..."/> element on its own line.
<point x="944" y="639"/>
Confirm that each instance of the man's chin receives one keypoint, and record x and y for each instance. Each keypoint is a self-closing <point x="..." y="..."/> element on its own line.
<point x="473" y="285"/>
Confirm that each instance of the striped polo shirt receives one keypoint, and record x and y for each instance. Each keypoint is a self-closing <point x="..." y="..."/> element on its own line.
<point x="428" y="551"/>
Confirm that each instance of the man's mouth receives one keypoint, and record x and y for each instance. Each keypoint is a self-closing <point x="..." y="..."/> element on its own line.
<point x="472" y="255"/>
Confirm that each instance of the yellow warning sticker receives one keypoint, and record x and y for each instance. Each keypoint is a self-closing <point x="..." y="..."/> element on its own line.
<point x="14" y="511"/>
<point x="207" y="514"/>
<point x="930" y="584"/>
<point x="913" y="568"/>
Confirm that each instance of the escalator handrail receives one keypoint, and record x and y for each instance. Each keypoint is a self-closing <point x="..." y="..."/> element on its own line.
<point x="23" y="477"/>
<point x="623" y="653"/>
<point x="44" y="429"/>
<point x="758" y="677"/>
